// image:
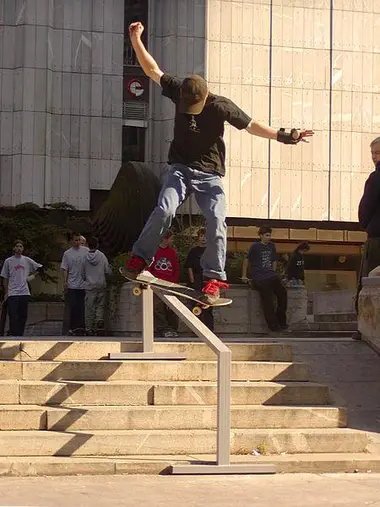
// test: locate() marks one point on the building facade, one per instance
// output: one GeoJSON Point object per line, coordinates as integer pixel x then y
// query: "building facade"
{"type": "Point", "coordinates": [74, 104]}
{"type": "Point", "coordinates": [61, 92]}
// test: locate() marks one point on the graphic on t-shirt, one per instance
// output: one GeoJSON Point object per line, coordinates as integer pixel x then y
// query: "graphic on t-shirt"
{"type": "Point", "coordinates": [163, 264]}
{"type": "Point", "coordinates": [18, 266]}
{"type": "Point", "coordinates": [193, 125]}
{"type": "Point", "coordinates": [266, 258]}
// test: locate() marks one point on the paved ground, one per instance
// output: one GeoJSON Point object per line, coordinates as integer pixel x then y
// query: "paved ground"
{"type": "Point", "coordinates": [167, 491]}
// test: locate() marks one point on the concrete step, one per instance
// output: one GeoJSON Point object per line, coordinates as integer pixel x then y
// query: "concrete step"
{"type": "Point", "coordinates": [148, 370]}
{"type": "Point", "coordinates": [150, 442]}
{"type": "Point", "coordinates": [159, 393]}
{"type": "Point", "coordinates": [201, 352]}
{"type": "Point", "coordinates": [336, 317]}
{"type": "Point", "coordinates": [288, 463]}
{"type": "Point", "coordinates": [57, 350]}
{"type": "Point", "coordinates": [191, 417]}
{"type": "Point", "coordinates": [23, 417]}
{"type": "Point", "coordinates": [242, 393]}
{"type": "Point", "coordinates": [333, 326]}
{"type": "Point", "coordinates": [95, 350]}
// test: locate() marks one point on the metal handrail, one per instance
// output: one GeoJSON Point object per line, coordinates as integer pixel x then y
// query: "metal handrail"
{"type": "Point", "coordinates": [224, 372]}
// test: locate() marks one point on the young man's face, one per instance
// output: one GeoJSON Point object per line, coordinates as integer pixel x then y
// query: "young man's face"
{"type": "Point", "coordinates": [82, 241]}
{"type": "Point", "coordinates": [202, 239]}
{"type": "Point", "coordinates": [265, 238]}
{"type": "Point", "coordinates": [18, 249]}
{"type": "Point", "coordinates": [76, 241]}
{"type": "Point", "coordinates": [167, 242]}
{"type": "Point", "coordinates": [375, 151]}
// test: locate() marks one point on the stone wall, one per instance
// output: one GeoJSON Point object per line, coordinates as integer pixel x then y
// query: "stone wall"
{"type": "Point", "coordinates": [369, 312]}
{"type": "Point", "coordinates": [44, 319]}
{"type": "Point", "coordinates": [243, 316]}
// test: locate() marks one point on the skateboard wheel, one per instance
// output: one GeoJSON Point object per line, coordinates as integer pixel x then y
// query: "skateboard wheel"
{"type": "Point", "coordinates": [197, 311]}
{"type": "Point", "coordinates": [136, 291]}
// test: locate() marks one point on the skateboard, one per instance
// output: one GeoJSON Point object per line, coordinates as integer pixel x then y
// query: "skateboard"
{"type": "Point", "coordinates": [176, 289]}
{"type": "Point", "coordinates": [3, 316]}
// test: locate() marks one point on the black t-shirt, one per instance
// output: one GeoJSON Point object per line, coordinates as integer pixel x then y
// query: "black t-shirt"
{"type": "Point", "coordinates": [193, 261]}
{"type": "Point", "coordinates": [261, 258]}
{"type": "Point", "coordinates": [198, 139]}
{"type": "Point", "coordinates": [296, 266]}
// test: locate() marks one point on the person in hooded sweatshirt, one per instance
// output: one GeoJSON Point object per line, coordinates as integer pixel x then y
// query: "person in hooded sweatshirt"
{"type": "Point", "coordinates": [95, 270]}
{"type": "Point", "coordinates": [369, 219]}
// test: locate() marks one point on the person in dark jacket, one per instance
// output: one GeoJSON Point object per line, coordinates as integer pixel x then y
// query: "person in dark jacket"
{"type": "Point", "coordinates": [296, 265]}
{"type": "Point", "coordinates": [369, 219]}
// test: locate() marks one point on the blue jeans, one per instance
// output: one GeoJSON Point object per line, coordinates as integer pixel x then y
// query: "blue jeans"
{"type": "Point", "coordinates": [208, 190]}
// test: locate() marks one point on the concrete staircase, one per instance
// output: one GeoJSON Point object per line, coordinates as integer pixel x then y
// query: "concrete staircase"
{"type": "Point", "coordinates": [65, 409]}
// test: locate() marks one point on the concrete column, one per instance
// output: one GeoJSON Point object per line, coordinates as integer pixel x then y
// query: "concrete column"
{"type": "Point", "coordinates": [369, 311]}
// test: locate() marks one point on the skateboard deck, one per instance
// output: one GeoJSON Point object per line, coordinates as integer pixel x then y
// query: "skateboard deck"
{"type": "Point", "coordinates": [176, 289]}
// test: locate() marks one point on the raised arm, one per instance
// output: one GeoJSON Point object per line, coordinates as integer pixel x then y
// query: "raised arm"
{"type": "Point", "coordinates": [293, 137]}
{"type": "Point", "coordinates": [147, 62]}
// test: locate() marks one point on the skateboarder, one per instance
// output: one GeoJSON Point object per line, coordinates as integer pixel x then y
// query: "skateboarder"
{"type": "Point", "coordinates": [197, 160]}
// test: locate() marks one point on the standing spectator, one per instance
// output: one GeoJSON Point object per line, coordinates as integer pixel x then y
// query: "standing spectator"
{"type": "Point", "coordinates": [15, 273]}
{"type": "Point", "coordinates": [165, 266]}
{"type": "Point", "coordinates": [72, 268]}
{"type": "Point", "coordinates": [262, 257]}
{"type": "Point", "coordinates": [296, 265]}
{"type": "Point", "coordinates": [95, 270]}
{"type": "Point", "coordinates": [66, 312]}
{"type": "Point", "coordinates": [194, 270]}
{"type": "Point", "coordinates": [369, 219]}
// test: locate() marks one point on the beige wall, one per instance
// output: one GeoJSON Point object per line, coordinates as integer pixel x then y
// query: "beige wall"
{"type": "Point", "coordinates": [238, 66]}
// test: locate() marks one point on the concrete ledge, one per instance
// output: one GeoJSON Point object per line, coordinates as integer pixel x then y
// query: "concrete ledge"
{"type": "Point", "coordinates": [243, 316]}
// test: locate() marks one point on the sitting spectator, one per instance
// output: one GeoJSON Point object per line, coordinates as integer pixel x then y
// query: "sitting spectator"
{"type": "Point", "coordinates": [262, 258]}
{"type": "Point", "coordinates": [296, 265]}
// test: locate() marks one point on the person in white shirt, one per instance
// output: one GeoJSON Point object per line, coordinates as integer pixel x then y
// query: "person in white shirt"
{"type": "Point", "coordinates": [16, 272]}
{"type": "Point", "coordinates": [72, 268]}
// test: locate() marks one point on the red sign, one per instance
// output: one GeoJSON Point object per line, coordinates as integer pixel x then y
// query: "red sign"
{"type": "Point", "coordinates": [135, 87]}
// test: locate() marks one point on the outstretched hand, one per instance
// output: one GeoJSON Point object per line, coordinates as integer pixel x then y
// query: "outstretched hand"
{"type": "Point", "coordinates": [135, 30]}
{"type": "Point", "coordinates": [302, 134]}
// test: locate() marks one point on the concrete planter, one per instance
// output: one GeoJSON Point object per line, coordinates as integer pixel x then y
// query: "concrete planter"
{"type": "Point", "coordinates": [244, 316]}
{"type": "Point", "coordinates": [369, 312]}
{"type": "Point", "coordinates": [333, 302]}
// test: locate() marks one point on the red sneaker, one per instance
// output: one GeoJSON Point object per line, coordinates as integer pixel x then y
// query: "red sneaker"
{"type": "Point", "coordinates": [134, 267]}
{"type": "Point", "coordinates": [211, 290]}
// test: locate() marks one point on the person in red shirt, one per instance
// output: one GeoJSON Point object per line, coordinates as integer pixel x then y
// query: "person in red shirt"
{"type": "Point", "coordinates": [165, 266]}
